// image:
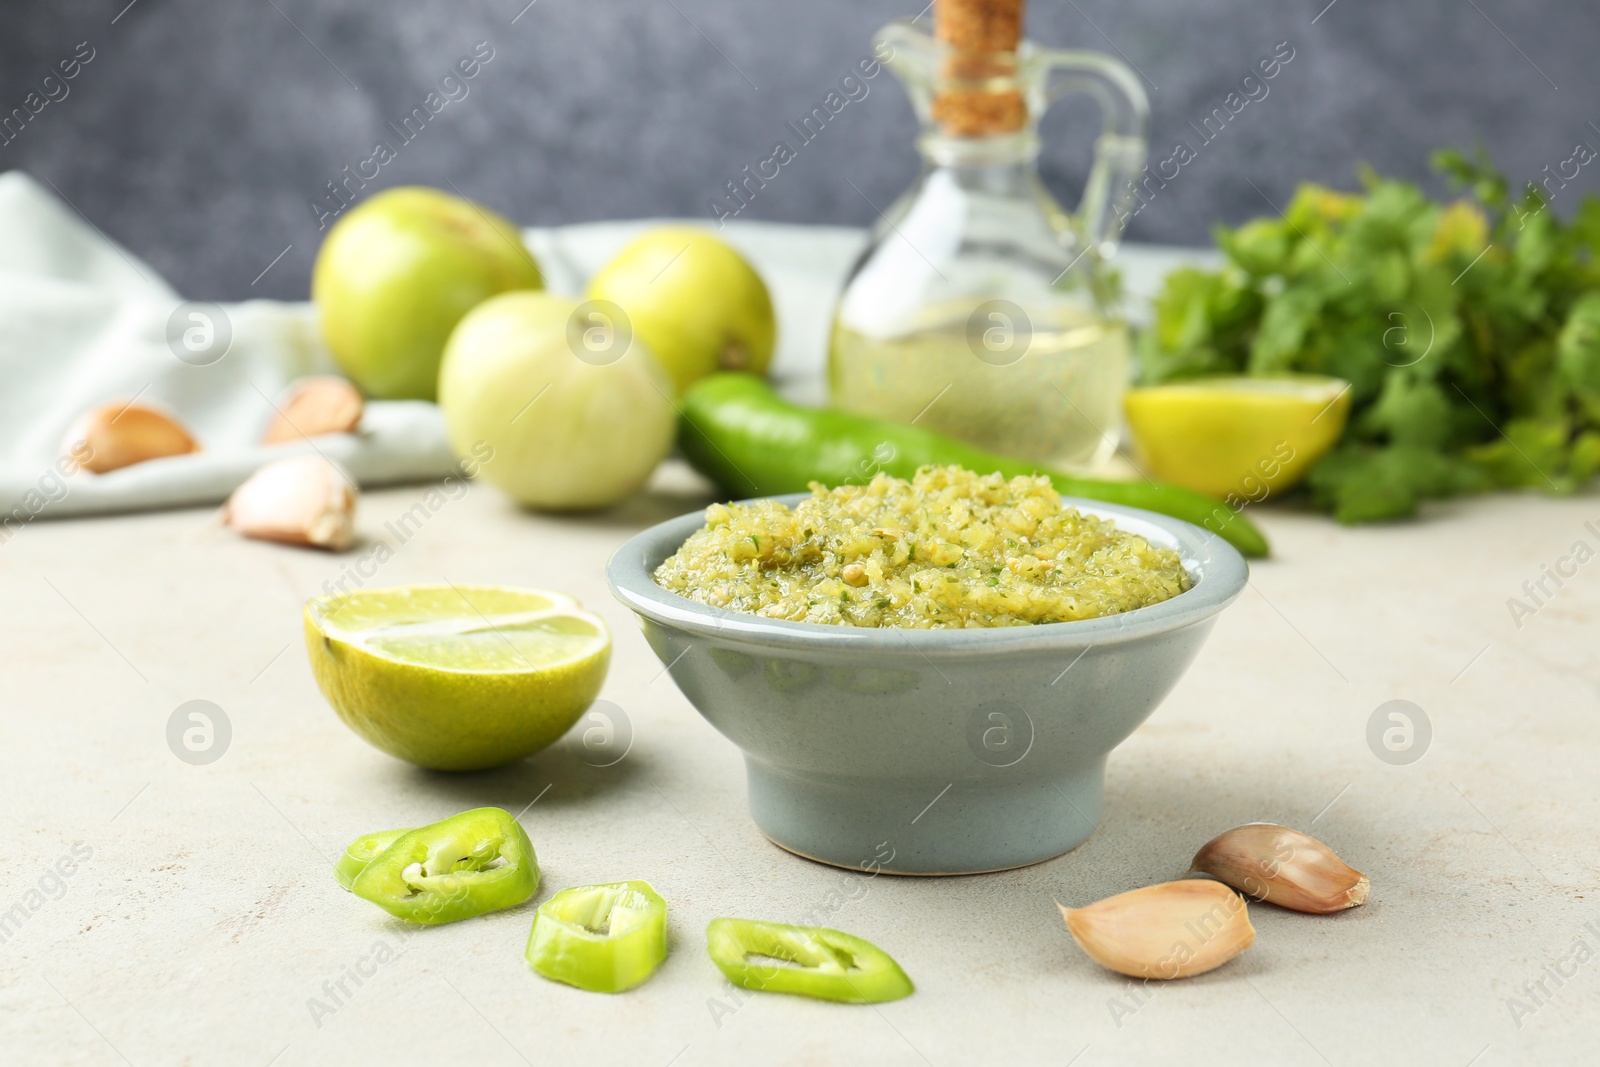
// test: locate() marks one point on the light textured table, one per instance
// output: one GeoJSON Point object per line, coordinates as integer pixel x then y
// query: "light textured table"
{"type": "Point", "coordinates": [201, 924]}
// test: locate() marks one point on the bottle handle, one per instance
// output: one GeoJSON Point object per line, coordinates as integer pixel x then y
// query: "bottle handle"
{"type": "Point", "coordinates": [1119, 152]}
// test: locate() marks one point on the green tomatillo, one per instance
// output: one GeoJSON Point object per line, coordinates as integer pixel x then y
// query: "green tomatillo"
{"type": "Point", "coordinates": [573, 415]}
{"type": "Point", "coordinates": [696, 303]}
{"type": "Point", "coordinates": [395, 275]}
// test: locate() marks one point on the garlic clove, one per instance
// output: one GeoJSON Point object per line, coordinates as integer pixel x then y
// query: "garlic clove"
{"type": "Point", "coordinates": [303, 500]}
{"type": "Point", "coordinates": [315, 406]}
{"type": "Point", "coordinates": [1284, 867]}
{"type": "Point", "coordinates": [121, 433]}
{"type": "Point", "coordinates": [1172, 930]}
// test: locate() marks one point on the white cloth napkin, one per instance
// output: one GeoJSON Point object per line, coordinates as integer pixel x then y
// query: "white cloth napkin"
{"type": "Point", "coordinates": [84, 322]}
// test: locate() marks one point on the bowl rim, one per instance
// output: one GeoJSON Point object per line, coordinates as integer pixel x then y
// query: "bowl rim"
{"type": "Point", "coordinates": [1217, 569]}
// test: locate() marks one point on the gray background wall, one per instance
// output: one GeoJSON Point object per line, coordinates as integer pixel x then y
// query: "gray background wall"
{"type": "Point", "coordinates": [201, 130]}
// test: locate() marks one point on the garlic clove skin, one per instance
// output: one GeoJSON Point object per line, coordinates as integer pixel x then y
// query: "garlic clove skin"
{"type": "Point", "coordinates": [1283, 867]}
{"type": "Point", "coordinates": [315, 406]}
{"type": "Point", "coordinates": [303, 500]}
{"type": "Point", "coordinates": [120, 434]}
{"type": "Point", "coordinates": [1172, 930]}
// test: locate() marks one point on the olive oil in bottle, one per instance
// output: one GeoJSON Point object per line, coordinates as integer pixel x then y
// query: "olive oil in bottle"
{"type": "Point", "coordinates": [980, 307]}
{"type": "Point", "coordinates": [1045, 391]}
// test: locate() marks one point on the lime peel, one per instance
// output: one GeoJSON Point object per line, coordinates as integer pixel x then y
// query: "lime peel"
{"type": "Point", "coordinates": [457, 677]}
{"type": "Point", "coordinates": [1241, 439]}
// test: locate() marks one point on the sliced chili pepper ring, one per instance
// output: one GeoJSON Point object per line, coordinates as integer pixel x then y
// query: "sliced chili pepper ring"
{"type": "Point", "coordinates": [466, 865]}
{"type": "Point", "coordinates": [604, 938]}
{"type": "Point", "coordinates": [811, 961]}
{"type": "Point", "coordinates": [362, 851]}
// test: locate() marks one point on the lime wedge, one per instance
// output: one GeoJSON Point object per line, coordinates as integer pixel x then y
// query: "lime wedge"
{"type": "Point", "coordinates": [1239, 438]}
{"type": "Point", "coordinates": [457, 677]}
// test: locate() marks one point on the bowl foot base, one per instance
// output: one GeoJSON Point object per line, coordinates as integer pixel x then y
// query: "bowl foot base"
{"type": "Point", "coordinates": [927, 828]}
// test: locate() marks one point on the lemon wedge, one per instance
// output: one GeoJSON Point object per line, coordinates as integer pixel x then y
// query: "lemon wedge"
{"type": "Point", "coordinates": [457, 677]}
{"type": "Point", "coordinates": [1239, 438]}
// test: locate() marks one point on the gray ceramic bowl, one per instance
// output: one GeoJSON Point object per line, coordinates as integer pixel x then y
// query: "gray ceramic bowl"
{"type": "Point", "coordinates": [929, 751]}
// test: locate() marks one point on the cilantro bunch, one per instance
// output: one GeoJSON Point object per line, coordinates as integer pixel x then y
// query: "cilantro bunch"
{"type": "Point", "coordinates": [1469, 332]}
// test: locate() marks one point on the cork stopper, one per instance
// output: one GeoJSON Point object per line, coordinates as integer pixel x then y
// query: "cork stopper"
{"type": "Point", "coordinates": [983, 36]}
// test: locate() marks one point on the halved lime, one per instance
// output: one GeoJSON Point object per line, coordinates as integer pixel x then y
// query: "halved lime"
{"type": "Point", "coordinates": [457, 677]}
{"type": "Point", "coordinates": [1243, 438]}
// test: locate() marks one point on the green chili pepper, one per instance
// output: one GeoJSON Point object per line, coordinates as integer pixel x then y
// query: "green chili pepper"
{"type": "Point", "coordinates": [468, 864]}
{"type": "Point", "coordinates": [362, 851]}
{"type": "Point", "coordinates": [603, 938]}
{"type": "Point", "coordinates": [742, 435]}
{"type": "Point", "coordinates": [811, 961]}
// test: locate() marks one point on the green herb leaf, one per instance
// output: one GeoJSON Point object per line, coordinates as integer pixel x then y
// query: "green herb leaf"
{"type": "Point", "coordinates": [1469, 331]}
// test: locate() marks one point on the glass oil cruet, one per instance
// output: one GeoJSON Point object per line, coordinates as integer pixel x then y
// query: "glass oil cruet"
{"type": "Point", "coordinates": [980, 308]}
